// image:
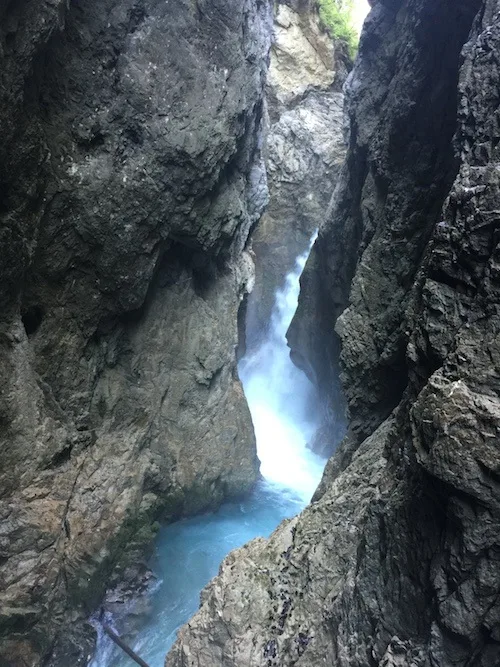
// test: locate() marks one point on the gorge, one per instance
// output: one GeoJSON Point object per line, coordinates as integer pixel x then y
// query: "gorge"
{"type": "Point", "coordinates": [189, 552]}
{"type": "Point", "coordinates": [162, 165]}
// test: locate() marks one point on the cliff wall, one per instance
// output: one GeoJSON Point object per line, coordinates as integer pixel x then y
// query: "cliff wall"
{"type": "Point", "coordinates": [130, 177]}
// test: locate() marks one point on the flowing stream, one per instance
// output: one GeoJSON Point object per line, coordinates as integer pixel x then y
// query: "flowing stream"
{"type": "Point", "coordinates": [188, 553]}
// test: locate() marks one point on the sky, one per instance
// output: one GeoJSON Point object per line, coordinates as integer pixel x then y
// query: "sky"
{"type": "Point", "coordinates": [359, 13]}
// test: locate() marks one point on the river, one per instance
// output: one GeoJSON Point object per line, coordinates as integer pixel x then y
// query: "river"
{"type": "Point", "coordinates": [188, 553]}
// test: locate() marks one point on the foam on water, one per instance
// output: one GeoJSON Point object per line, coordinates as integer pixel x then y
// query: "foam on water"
{"type": "Point", "coordinates": [281, 400]}
{"type": "Point", "coordinates": [189, 552]}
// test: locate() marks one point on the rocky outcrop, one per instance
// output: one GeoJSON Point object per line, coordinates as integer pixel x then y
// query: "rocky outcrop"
{"type": "Point", "coordinates": [304, 149]}
{"type": "Point", "coordinates": [303, 55]}
{"type": "Point", "coordinates": [397, 560]}
{"type": "Point", "coordinates": [130, 176]}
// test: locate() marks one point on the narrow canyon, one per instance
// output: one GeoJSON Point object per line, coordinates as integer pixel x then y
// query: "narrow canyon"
{"type": "Point", "coordinates": [250, 333]}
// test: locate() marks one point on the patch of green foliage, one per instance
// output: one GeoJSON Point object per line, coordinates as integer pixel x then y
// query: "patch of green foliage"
{"type": "Point", "coordinates": [335, 15]}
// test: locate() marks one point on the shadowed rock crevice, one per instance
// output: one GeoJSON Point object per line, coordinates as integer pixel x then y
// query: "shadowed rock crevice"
{"type": "Point", "coordinates": [304, 149]}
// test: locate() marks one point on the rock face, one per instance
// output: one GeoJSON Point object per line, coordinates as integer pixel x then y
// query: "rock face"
{"type": "Point", "coordinates": [304, 149]}
{"type": "Point", "coordinates": [130, 176]}
{"type": "Point", "coordinates": [397, 562]}
{"type": "Point", "coordinates": [303, 56]}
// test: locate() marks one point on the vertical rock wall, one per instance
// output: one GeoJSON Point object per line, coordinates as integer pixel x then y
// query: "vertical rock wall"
{"type": "Point", "coordinates": [130, 176]}
{"type": "Point", "coordinates": [398, 171]}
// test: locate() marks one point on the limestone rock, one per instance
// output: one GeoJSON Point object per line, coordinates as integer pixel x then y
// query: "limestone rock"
{"type": "Point", "coordinates": [273, 601]}
{"type": "Point", "coordinates": [130, 176]}
{"type": "Point", "coordinates": [302, 54]}
{"type": "Point", "coordinates": [304, 149]}
{"type": "Point", "coordinates": [400, 166]}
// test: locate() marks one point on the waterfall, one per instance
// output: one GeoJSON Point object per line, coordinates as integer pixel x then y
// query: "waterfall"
{"type": "Point", "coordinates": [281, 400]}
{"type": "Point", "coordinates": [188, 553]}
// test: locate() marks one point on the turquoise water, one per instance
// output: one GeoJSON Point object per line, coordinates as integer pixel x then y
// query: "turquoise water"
{"type": "Point", "coordinates": [188, 553]}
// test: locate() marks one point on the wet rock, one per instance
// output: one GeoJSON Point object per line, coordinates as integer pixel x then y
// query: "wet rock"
{"type": "Point", "coordinates": [237, 607]}
{"type": "Point", "coordinates": [128, 605]}
{"type": "Point", "coordinates": [363, 267]}
{"type": "Point", "coordinates": [130, 177]}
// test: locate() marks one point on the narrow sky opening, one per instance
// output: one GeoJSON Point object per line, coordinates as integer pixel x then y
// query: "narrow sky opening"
{"type": "Point", "coordinates": [359, 13]}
